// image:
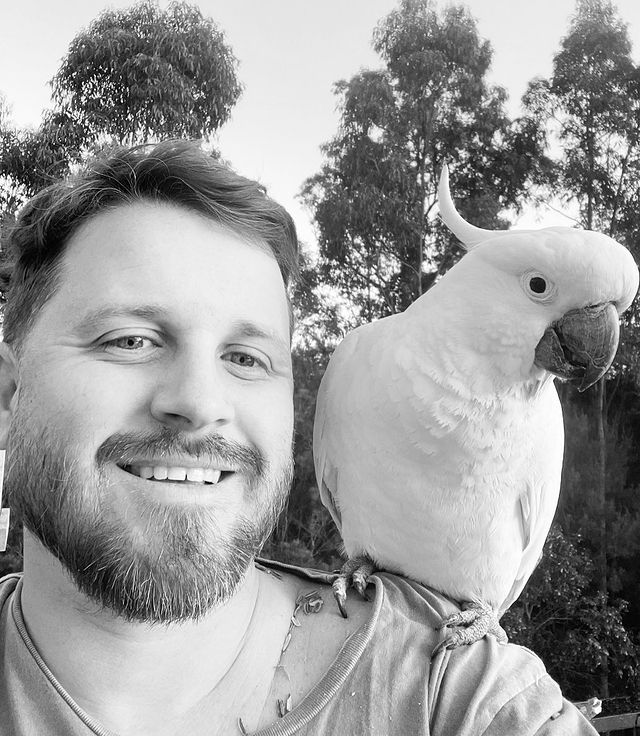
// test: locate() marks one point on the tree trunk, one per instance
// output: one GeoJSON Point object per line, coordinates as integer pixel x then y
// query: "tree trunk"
{"type": "Point", "coordinates": [601, 510]}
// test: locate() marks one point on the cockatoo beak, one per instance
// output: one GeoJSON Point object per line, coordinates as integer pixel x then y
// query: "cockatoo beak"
{"type": "Point", "coordinates": [581, 345]}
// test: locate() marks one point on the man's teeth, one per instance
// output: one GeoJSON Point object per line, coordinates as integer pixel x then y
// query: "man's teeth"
{"type": "Point", "coordinates": [162, 472]}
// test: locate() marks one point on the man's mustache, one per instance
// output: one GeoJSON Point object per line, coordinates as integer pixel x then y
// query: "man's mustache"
{"type": "Point", "coordinates": [212, 450]}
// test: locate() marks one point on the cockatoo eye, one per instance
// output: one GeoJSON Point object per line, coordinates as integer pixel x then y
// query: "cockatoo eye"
{"type": "Point", "coordinates": [537, 286]}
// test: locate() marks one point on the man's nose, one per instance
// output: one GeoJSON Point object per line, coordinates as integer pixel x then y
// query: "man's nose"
{"type": "Point", "coordinates": [193, 393]}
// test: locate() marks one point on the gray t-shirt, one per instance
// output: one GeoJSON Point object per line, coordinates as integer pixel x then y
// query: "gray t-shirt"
{"type": "Point", "coordinates": [382, 683]}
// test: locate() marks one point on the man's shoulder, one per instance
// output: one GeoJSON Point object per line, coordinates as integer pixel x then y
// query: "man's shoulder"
{"type": "Point", "coordinates": [387, 663]}
{"type": "Point", "coordinates": [414, 610]}
{"type": "Point", "coordinates": [400, 607]}
{"type": "Point", "coordinates": [488, 687]}
{"type": "Point", "coordinates": [398, 590]}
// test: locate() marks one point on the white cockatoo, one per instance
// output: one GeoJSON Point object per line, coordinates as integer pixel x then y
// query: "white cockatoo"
{"type": "Point", "coordinates": [438, 435]}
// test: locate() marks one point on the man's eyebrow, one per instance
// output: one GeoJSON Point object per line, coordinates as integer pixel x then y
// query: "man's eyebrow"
{"type": "Point", "coordinates": [94, 318]}
{"type": "Point", "coordinates": [246, 328]}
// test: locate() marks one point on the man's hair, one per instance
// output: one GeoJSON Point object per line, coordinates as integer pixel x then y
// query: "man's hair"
{"type": "Point", "coordinates": [176, 172]}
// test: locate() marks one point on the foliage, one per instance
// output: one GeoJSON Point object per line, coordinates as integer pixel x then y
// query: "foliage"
{"type": "Point", "coordinates": [373, 200]}
{"type": "Point", "coordinates": [30, 160]}
{"type": "Point", "coordinates": [580, 631]}
{"type": "Point", "coordinates": [563, 618]}
{"type": "Point", "coordinates": [145, 73]}
{"type": "Point", "coordinates": [134, 76]}
{"type": "Point", "coordinates": [306, 534]}
{"type": "Point", "coordinates": [590, 110]}
{"type": "Point", "coordinates": [579, 505]}
{"type": "Point", "coordinates": [591, 105]}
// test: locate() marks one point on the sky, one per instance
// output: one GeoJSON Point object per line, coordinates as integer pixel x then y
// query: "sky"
{"type": "Point", "coordinates": [290, 52]}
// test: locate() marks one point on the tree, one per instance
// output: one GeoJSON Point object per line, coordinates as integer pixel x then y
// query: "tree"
{"type": "Point", "coordinates": [144, 73]}
{"type": "Point", "coordinates": [374, 197]}
{"type": "Point", "coordinates": [29, 160]}
{"type": "Point", "coordinates": [306, 534]}
{"type": "Point", "coordinates": [8, 193]}
{"type": "Point", "coordinates": [134, 76]}
{"type": "Point", "coordinates": [563, 618]}
{"type": "Point", "coordinates": [591, 105]}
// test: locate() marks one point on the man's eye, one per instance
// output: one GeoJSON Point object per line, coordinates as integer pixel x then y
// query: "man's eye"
{"type": "Point", "coordinates": [246, 361]}
{"type": "Point", "coordinates": [129, 342]}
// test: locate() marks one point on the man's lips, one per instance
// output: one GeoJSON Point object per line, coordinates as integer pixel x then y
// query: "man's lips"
{"type": "Point", "coordinates": [173, 458]}
{"type": "Point", "coordinates": [177, 473]}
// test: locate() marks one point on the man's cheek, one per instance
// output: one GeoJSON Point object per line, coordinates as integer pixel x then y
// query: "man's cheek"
{"type": "Point", "coordinates": [275, 419]}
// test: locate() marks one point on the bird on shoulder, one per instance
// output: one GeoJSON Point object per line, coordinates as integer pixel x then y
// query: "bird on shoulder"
{"type": "Point", "coordinates": [438, 435]}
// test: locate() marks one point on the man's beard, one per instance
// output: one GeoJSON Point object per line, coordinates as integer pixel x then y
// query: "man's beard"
{"type": "Point", "coordinates": [181, 564]}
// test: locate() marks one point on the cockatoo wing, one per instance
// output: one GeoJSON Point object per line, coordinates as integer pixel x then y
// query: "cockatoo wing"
{"type": "Point", "coordinates": [337, 381]}
{"type": "Point", "coordinates": [378, 419]}
{"type": "Point", "coordinates": [358, 390]}
{"type": "Point", "coordinates": [326, 470]}
{"type": "Point", "coordinates": [539, 498]}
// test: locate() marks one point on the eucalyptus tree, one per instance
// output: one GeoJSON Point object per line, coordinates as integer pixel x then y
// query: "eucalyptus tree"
{"type": "Point", "coordinates": [132, 76]}
{"type": "Point", "coordinates": [429, 103]}
{"type": "Point", "coordinates": [144, 73]}
{"type": "Point", "coordinates": [590, 111]}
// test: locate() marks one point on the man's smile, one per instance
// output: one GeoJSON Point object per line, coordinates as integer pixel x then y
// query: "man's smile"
{"type": "Point", "coordinates": [168, 483]}
{"type": "Point", "coordinates": [179, 474]}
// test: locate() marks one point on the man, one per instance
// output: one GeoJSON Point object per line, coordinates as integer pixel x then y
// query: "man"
{"type": "Point", "coordinates": [146, 409]}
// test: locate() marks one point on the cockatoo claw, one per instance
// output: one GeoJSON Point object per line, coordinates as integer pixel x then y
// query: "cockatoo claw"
{"type": "Point", "coordinates": [360, 581]}
{"type": "Point", "coordinates": [340, 594]}
{"type": "Point", "coordinates": [354, 573]}
{"type": "Point", "coordinates": [470, 624]}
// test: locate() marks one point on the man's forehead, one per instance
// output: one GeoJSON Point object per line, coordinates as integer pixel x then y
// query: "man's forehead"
{"type": "Point", "coordinates": [146, 211]}
{"type": "Point", "coordinates": [159, 232]}
{"type": "Point", "coordinates": [154, 261]}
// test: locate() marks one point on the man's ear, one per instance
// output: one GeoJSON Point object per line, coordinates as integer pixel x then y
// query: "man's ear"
{"type": "Point", "coordinates": [8, 388]}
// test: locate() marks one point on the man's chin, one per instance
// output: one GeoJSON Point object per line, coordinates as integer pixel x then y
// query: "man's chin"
{"type": "Point", "coordinates": [152, 562]}
{"type": "Point", "coordinates": [184, 581]}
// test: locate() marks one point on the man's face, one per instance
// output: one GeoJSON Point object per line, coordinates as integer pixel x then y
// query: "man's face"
{"type": "Point", "coordinates": [150, 445]}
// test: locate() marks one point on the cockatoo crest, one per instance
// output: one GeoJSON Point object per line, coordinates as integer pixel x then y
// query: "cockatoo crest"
{"type": "Point", "coordinates": [469, 235]}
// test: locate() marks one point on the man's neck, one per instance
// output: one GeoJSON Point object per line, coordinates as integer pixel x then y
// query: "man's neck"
{"type": "Point", "coordinates": [118, 671]}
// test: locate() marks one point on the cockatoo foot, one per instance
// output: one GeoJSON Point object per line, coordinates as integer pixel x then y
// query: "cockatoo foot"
{"type": "Point", "coordinates": [471, 624]}
{"type": "Point", "coordinates": [354, 574]}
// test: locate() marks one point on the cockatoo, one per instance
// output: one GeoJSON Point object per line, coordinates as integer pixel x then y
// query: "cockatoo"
{"type": "Point", "coordinates": [438, 435]}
